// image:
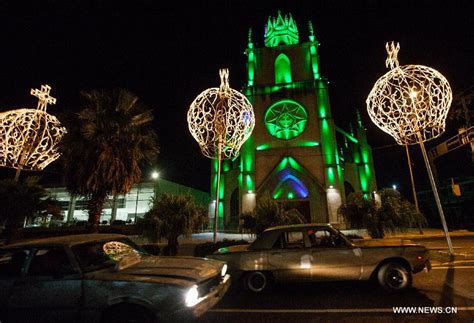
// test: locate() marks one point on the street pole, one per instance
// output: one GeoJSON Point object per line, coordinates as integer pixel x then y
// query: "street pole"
{"type": "Point", "coordinates": [415, 199]}
{"type": "Point", "coordinates": [436, 195]}
{"type": "Point", "coordinates": [136, 202]}
{"type": "Point", "coordinates": [217, 191]}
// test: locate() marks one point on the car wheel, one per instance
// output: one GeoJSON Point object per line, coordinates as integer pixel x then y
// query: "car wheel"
{"type": "Point", "coordinates": [394, 277]}
{"type": "Point", "coordinates": [128, 313]}
{"type": "Point", "coordinates": [256, 281]}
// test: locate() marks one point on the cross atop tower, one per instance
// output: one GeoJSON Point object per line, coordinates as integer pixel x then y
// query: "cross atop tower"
{"type": "Point", "coordinates": [43, 97]}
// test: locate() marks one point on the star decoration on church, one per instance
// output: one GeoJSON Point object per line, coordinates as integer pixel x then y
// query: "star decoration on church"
{"type": "Point", "coordinates": [286, 120]}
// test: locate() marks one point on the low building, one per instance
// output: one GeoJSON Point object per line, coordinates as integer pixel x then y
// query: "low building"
{"type": "Point", "coordinates": [124, 207]}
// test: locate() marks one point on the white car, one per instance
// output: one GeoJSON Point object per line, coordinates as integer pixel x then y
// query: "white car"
{"type": "Point", "coordinates": [318, 252]}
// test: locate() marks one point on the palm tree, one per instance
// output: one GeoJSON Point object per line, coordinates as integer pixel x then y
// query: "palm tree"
{"type": "Point", "coordinates": [105, 147]}
{"type": "Point", "coordinates": [28, 200]}
{"type": "Point", "coordinates": [172, 216]}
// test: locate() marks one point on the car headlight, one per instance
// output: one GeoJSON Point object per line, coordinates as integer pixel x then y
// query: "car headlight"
{"type": "Point", "coordinates": [192, 296]}
{"type": "Point", "coordinates": [224, 270]}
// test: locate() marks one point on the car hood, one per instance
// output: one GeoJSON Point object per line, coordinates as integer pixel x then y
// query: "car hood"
{"type": "Point", "coordinates": [384, 243]}
{"type": "Point", "coordinates": [185, 271]}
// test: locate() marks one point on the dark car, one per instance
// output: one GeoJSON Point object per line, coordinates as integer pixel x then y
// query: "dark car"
{"type": "Point", "coordinates": [104, 278]}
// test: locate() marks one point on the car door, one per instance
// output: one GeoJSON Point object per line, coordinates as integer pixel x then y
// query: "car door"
{"type": "Point", "coordinates": [12, 264]}
{"type": "Point", "coordinates": [332, 257]}
{"type": "Point", "coordinates": [51, 288]}
{"type": "Point", "coordinates": [290, 257]}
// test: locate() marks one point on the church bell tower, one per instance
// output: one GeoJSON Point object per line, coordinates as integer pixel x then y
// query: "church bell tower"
{"type": "Point", "coordinates": [296, 153]}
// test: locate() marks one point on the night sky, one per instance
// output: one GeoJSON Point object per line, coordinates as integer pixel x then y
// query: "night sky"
{"type": "Point", "coordinates": [168, 53]}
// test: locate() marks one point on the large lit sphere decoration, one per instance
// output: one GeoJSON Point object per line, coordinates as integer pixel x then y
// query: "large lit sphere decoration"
{"type": "Point", "coordinates": [221, 119]}
{"type": "Point", "coordinates": [410, 102]}
{"type": "Point", "coordinates": [29, 137]}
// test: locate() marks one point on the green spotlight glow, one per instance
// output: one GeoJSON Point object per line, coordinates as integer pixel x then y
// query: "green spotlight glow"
{"type": "Point", "coordinates": [281, 31]}
{"type": "Point", "coordinates": [331, 176]}
{"type": "Point", "coordinates": [282, 69]}
{"type": "Point", "coordinates": [347, 135]}
{"type": "Point", "coordinates": [220, 213]}
{"type": "Point", "coordinates": [249, 183]}
{"type": "Point", "coordinates": [293, 143]}
{"type": "Point", "coordinates": [263, 147]}
{"type": "Point", "coordinates": [251, 68]}
{"type": "Point", "coordinates": [314, 60]}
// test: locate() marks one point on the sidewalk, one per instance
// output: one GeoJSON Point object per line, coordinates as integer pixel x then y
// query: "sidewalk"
{"type": "Point", "coordinates": [439, 250]}
{"type": "Point", "coordinates": [429, 233]}
{"type": "Point", "coordinates": [412, 234]}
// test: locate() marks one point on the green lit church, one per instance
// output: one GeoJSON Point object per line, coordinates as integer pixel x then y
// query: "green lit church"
{"type": "Point", "coordinates": [296, 153]}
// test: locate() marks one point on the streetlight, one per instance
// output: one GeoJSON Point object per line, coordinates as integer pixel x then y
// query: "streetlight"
{"type": "Point", "coordinates": [394, 186]}
{"type": "Point", "coordinates": [411, 103]}
{"type": "Point", "coordinates": [155, 176]}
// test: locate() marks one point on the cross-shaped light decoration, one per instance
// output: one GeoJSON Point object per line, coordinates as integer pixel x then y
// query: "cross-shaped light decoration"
{"type": "Point", "coordinates": [43, 97]}
{"type": "Point", "coordinates": [29, 137]}
{"type": "Point", "coordinates": [392, 51]}
{"type": "Point", "coordinates": [410, 103]}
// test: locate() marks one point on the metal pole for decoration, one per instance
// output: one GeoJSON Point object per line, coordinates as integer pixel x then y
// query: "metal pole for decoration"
{"type": "Point", "coordinates": [29, 137]}
{"type": "Point", "coordinates": [221, 120]}
{"type": "Point", "coordinates": [415, 199]}
{"type": "Point", "coordinates": [411, 103]}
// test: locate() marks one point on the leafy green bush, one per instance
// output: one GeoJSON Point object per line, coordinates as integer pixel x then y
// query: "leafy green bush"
{"type": "Point", "coordinates": [268, 214]}
{"type": "Point", "coordinates": [390, 215]}
{"type": "Point", "coordinates": [207, 248]}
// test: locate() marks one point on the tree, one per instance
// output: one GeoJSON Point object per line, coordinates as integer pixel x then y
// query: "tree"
{"type": "Point", "coordinates": [27, 200]}
{"type": "Point", "coordinates": [390, 215]}
{"type": "Point", "coordinates": [172, 216]}
{"type": "Point", "coordinates": [105, 147]}
{"type": "Point", "coordinates": [267, 214]}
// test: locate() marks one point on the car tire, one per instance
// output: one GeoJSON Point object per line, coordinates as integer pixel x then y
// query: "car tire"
{"type": "Point", "coordinates": [256, 281]}
{"type": "Point", "coordinates": [128, 313]}
{"type": "Point", "coordinates": [394, 277]}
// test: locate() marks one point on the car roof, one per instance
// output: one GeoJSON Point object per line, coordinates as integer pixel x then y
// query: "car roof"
{"type": "Point", "coordinates": [298, 226]}
{"type": "Point", "coordinates": [68, 240]}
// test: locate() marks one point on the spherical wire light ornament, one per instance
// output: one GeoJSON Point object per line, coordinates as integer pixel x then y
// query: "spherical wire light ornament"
{"type": "Point", "coordinates": [29, 138]}
{"type": "Point", "coordinates": [221, 120]}
{"type": "Point", "coordinates": [411, 103]}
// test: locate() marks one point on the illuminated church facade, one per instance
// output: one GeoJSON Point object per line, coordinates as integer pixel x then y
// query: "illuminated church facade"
{"type": "Point", "coordinates": [296, 153]}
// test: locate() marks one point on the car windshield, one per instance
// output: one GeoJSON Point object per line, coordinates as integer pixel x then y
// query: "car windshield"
{"type": "Point", "coordinates": [105, 254]}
